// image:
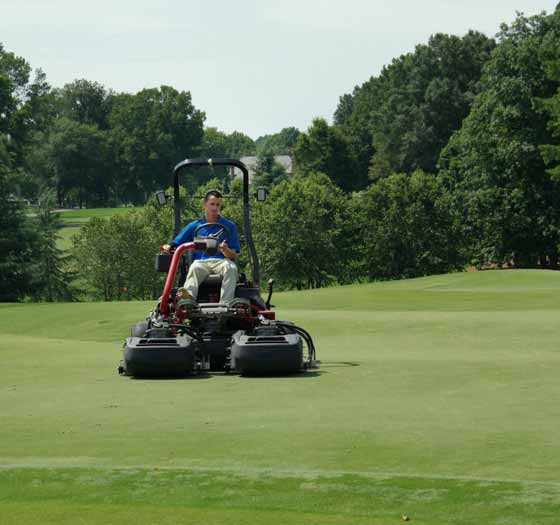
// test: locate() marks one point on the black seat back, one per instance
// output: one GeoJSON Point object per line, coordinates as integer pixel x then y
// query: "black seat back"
{"type": "Point", "coordinates": [210, 289]}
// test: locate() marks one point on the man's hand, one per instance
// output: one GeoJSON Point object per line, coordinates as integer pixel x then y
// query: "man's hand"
{"type": "Point", "coordinates": [166, 248]}
{"type": "Point", "coordinates": [227, 251]}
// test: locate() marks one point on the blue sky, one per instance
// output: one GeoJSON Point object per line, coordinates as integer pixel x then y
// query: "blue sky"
{"type": "Point", "coordinates": [252, 66]}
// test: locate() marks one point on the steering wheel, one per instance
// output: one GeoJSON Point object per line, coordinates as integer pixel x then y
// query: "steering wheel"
{"type": "Point", "coordinates": [222, 229]}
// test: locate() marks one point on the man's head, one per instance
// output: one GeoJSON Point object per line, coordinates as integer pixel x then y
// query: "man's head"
{"type": "Point", "coordinates": [212, 205]}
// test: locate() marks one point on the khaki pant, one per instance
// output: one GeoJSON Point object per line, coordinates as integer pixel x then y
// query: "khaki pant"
{"type": "Point", "coordinates": [202, 268]}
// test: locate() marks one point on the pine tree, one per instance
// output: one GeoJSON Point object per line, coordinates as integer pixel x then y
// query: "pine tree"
{"type": "Point", "coordinates": [17, 238]}
{"type": "Point", "coordinates": [51, 272]}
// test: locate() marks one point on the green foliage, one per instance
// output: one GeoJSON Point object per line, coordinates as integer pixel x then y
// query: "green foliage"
{"type": "Point", "coordinates": [25, 105]}
{"type": "Point", "coordinates": [239, 145]}
{"type": "Point", "coordinates": [300, 233]}
{"type": "Point", "coordinates": [74, 158]}
{"type": "Point", "coordinates": [51, 276]}
{"type": "Point", "coordinates": [281, 143]}
{"type": "Point", "coordinates": [344, 109]}
{"type": "Point", "coordinates": [551, 59]}
{"type": "Point", "coordinates": [326, 149]}
{"type": "Point", "coordinates": [491, 115]}
{"type": "Point", "coordinates": [216, 144]}
{"type": "Point", "coordinates": [85, 102]}
{"type": "Point", "coordinates": [115, 256]}
{"type": "Point", "coordinates": [152, 130]}
{"type": "Point", "coordinates": [268, 171]}
{"type": "Point", "coordinates": [405, 116]}
{"type": "Point", "coordinates": [405, 227]}
{"type": "Point", "coordinates": [493, 164]}
{"type": "Point", "coordinates": [18, 241]}
{"type": "Point", "coordinates": [14, 78]}
{"type": "Point", "coordinates": [551, 152]}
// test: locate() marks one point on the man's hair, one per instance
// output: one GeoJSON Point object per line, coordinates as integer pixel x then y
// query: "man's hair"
{"type": "Point", "coordinates": [213, 193]}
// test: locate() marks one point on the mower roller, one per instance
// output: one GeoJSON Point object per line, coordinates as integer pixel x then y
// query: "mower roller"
{"type": "Point", "coordinates": [184, 337]}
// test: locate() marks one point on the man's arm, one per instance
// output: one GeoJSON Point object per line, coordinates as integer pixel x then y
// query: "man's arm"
{"type": "Point", "coordinates": [185, 235]}
{"type": "Point", "coordinates": [232, 245]}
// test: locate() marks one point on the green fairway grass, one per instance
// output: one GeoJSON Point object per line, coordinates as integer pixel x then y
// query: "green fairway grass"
{"type": "Point", "coordinates": [65, 236]}
{"type": "Point", "coordinates": [85, 214]}
{"type": "Point", "coordinates": [72, 221]}
{"type": "Point", "coordinates": [437, 398]}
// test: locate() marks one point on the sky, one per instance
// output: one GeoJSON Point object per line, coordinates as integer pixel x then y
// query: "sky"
{"type": "Point", "coordinates": [251, 66]}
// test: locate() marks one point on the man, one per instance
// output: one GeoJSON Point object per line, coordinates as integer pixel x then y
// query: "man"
{"type": "Point", "coordinates": [222, 263]}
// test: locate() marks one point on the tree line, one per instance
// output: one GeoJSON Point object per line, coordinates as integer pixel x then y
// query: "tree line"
{"type": "Point", "coordinates": [477, 120]}
{"type": "Point", "coordinates": [97, 148]}
{"type": "Point", "coordinates": [448, 158]}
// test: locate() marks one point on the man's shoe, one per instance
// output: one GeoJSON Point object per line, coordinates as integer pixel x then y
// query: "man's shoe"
{"type": "Point", "coordinates": [189, 306]}
{"type": "Point", "coordinates": [183, 293]}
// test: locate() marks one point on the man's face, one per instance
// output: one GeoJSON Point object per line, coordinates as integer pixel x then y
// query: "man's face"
{"type": "Point", "coordinates": [212, 207]}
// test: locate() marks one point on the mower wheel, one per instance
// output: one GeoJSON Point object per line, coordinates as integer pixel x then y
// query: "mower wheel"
{"type": "Point", "coordinates": [139, 329]}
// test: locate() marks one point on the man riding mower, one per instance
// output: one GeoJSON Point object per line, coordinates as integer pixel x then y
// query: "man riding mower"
{"type": "Point", "coordinates": [218, 320]}
{"type": "Point", "coordinates": [220, 261]}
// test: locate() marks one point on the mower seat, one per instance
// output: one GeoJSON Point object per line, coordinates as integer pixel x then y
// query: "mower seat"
{"type": "Point", "coordinates": [213, 280]}
{"type": "Point", "coordinates": [211, 287]}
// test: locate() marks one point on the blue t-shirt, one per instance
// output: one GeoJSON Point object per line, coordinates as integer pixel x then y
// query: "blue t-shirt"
{"type": "Point", "coordinates": [187, 235]}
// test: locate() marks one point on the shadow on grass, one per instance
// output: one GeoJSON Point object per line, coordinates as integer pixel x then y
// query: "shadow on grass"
{"type": "Point", "coordinates": [172, 378]}
{"type": "Point", "coordinates": [338, 364]}
{"type": "Point", "coordinates": [302, 375]}
{"type": "Point", "coordinates": [308, 374]}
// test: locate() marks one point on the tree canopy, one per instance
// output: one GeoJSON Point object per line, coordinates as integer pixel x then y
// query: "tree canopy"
{"type": "Point", "coordinates": [405, 116]}
{"type": "Point", "coordinates": [281, 143]}
{"type": "Point", "coordinates": [326, 149]}
{"type": "Point", "coordinates": [151, 131]}
{"type": "Point", "coordinates": [493, 165]}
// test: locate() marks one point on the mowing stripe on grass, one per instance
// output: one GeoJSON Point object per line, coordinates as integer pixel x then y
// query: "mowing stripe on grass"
{"type": "Point", "coordinates": [81, 463]}
{"type": "Point", "coordinates": [340, 498]}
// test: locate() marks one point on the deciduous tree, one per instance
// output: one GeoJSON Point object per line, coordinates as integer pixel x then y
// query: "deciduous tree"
{"type": "Point", "coordinates": [301, 232]}
{"type": "Point", "coordinates": [325, 149]}
{"type": "Point", "coordinates": [493, 164]}
{"type": "Point", "coordinates": [407, 228]}
{"type": "Point", "coordinates": [152, 130]}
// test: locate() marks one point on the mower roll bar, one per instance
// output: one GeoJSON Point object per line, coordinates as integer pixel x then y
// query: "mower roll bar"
{"type": "Point", "coordinates": [188, 163]}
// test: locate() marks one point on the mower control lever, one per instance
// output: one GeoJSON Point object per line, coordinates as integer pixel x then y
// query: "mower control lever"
{"type": "Point", "coordinates": [270, 287]}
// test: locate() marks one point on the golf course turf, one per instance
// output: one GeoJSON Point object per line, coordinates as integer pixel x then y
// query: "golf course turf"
{"type": "Point", "coordinates": [437, 399]}
{"type": "Point", "coordinates": [73, 220]}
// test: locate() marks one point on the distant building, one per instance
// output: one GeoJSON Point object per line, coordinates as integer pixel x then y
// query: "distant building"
{"type": "Point", "coordinates": [251, 162]}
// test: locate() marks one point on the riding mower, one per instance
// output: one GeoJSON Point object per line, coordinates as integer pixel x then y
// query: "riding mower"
{"type": "Point", "coordinates": [185, 337]}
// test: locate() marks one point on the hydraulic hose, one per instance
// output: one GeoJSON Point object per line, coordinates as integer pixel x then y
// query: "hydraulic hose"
{"type": "Point", "coordinates": [291, 328]}
{"type": "Point", "coordinates": [190, 331]}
